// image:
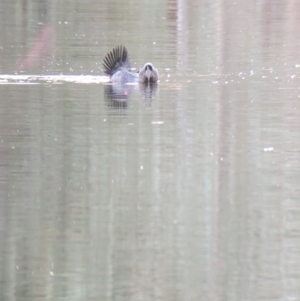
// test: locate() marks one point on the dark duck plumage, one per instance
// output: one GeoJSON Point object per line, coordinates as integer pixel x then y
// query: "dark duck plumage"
{"type": "Point", "coordinates": [117, 66]}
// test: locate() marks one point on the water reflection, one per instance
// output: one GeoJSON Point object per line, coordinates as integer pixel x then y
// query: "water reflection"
{"type": "Point", "coordinates": [192, 196]}
{"type": "Point", "coordinates": [118, 96]}
{"type": "Point", "coordinates": [35, 54]}
{"type": "Point", "coordinates": [148, 91]}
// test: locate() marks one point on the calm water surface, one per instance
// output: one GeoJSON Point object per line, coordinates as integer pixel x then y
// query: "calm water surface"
{"type": "Point", "coordinates": [186, 191]}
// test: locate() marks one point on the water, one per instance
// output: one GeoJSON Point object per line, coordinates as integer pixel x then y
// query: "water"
{"type": "Point", "coordinates": [188, 191]}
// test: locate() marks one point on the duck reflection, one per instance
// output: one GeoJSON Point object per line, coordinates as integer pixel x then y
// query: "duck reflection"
{"type": "Point", "coordinates": [118, 96]}
{"type": "Point", "coordinates": [148, 91]}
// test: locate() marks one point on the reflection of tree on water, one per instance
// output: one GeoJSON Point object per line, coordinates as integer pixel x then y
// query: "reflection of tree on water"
{"type": "Point", "coordinates": [118, 96]}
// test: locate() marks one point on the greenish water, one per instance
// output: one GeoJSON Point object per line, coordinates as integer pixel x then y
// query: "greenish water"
{"type": "Point", "coordinates": [187, 191]}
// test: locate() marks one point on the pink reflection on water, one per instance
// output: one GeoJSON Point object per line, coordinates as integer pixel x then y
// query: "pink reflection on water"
{"type": "Point", "coordinates": [37, 51]}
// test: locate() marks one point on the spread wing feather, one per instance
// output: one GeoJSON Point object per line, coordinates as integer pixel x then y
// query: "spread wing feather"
{"type": "Point", "coordinates": [116, 59]}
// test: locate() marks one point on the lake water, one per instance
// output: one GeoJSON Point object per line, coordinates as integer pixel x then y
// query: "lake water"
{"type": "Point", "coordinates": [185, 191]}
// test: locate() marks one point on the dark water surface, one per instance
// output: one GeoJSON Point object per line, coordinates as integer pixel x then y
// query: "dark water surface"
{"type": "Point", "coordinates": [186, 191]}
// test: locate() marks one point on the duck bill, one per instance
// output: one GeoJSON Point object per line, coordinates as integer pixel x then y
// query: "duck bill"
{"type": "Point", "coordinates": [148, 74]}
